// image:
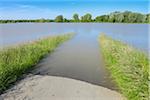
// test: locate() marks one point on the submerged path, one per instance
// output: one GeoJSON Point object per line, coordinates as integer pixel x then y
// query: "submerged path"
{"type": "Point", "coordinates": [79, 59]}
{"type": "Point", "coordinates": [80, 72]}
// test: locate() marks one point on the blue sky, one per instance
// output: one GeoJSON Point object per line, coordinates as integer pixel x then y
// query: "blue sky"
{"type": "Point", "coordinates": [33, 9]}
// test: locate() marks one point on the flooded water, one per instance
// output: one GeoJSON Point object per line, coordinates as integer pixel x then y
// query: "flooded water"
{"type": "Point", "coordinates": [134, 34]}
{"type": "Point", "coordinates": [78, 58]}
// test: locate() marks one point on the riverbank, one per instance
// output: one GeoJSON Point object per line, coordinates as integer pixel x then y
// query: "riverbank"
{"type": "Point", "coordinates": [128, 67]}
{"type": "Point", "coordinates": [15, 61]}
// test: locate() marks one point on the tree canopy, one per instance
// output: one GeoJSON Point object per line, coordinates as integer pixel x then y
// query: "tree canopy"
{"type": "Point", "coordinates": [86, 18]}
{"type": "Point", "coordinates": [76, 17]}
{"type": "Point", "coordinates": [59, 18]}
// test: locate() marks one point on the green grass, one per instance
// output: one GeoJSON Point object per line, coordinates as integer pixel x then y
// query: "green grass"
{"type": "Point", "coordinates": [128, 67]}
{"type": "Point", "coordinates": [15, 61]}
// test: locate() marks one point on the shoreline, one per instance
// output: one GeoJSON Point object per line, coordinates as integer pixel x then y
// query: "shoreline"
{"type": "Point", "coordinates": [73, 23]}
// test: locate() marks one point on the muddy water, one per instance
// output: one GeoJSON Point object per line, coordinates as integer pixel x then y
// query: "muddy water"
{"type": "Point", "coordinates": [80, 57]}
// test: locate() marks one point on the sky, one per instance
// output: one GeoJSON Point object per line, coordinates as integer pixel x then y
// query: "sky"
{"type": "Point", "coordinates": [49, 9]}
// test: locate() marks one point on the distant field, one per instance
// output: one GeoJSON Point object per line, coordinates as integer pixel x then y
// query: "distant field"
{"type": "Point", "coordinates": [15, 61]}
{"type": "Point", "coordinates": [128, 67]}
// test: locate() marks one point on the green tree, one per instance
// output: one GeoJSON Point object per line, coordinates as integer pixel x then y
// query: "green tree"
{"type": "Point", "coordinates": [148, 18]}
{"type": "Point", "coordinates": [42, 20]}
{"type": "Point", "coordinates": [119, 17]}
{"type": "Point", "coordinates": [99, 19]}
{"type": "Point", "coordinates": [59, 18]}
{"type": "Point", "coordinates": [140, 18]}
{"type": "Point", "coordinates": [86, 18]}
{"type": "Point", "coordinates": [76, 17]}
{"type": "Point", "coordinates": [66, 20]}
{"type": "Point", "coordinates": [105, 18]}
{"type": "Point", "coordinates": [111, 17]}
{"type": "Point", "coordinates": [126, 14]}
{"type": "Point", "coordinates": [132, 18]}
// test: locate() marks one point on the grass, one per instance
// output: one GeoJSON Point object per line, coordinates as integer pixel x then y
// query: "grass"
{"type": "Point", "coordinates": [128, 67]}
{"type": "Point", "coordinates": [15, 61]}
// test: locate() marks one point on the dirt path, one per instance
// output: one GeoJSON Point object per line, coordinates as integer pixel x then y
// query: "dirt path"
{"type": "Point", "coordinates": [57, 88]}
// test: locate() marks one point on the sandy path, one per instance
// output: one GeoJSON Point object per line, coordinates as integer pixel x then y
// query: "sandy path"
{"type": "Point", "coordinates": [57, 88]}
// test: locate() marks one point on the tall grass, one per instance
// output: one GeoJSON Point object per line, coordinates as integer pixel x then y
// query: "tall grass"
{"type": "Point", "coordinates": [128, 67]}
{"type": "Point", "coordinates": [15, 61]}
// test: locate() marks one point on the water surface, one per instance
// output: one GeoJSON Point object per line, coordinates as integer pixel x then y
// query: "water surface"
{"type": "Point", "coordinates": [80, 57]}
{"type": "Point", "coordinates": [134, 34]}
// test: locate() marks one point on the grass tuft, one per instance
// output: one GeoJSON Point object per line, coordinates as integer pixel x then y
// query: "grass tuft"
{"type": "Point", "coordinates": [15, 61]}
{"type": "Point", "coordinates": [128, 67]}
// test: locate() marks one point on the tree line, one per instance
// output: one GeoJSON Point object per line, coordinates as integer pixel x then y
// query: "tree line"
{"type": "Point", "coordinates": [27, 20]}
{"type": "Point", "coordinates": [114, 17]}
